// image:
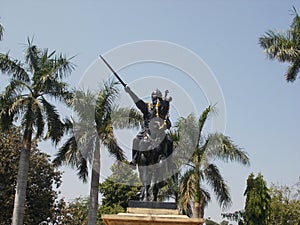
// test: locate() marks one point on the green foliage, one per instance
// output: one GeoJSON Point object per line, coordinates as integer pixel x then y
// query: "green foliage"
{"type": "Point", "coordinates": [27, 95]}
{"type": "Point", "coordinates": [285, 204]}
{"type": "Point", "coordinates": [257, 207]}
{"type": "Point", "coordinates": [73, 213]}
{"type": "Point", "coordinates": [94, 131]}
{"type": "Point", "coordinates": [120, 187]}
{"type": "Point", "coordinates": [105, 209]}
{"type": "Point", "coordinates": [76, 212]}
{"type": "Point", "coordinates": [25, 102]}
{"type": "Point", "coordinates": [237, 216]}
{"type": "Point", "coordinates": [278, 205]}
{"type": "Point", "coordinates": [42, 176]}
{"type": "Point", "coordinates": [210, 222]}
{"type": "Point", "coordinates": [200, 168]}
{"type": "Point", "coordinates": [285, 46]}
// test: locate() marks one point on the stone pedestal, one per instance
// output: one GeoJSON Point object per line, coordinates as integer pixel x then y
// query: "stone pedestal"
{"type": "Point", "coordinates": [146, 213]}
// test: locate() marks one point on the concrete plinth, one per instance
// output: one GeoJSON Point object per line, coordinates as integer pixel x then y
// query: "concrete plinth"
{"type": "Point", "coordinates": [146, 216]}
{"type": "Point", "coordinates": [144, 219]}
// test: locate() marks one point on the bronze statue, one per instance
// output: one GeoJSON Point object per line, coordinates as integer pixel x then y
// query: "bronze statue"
{"type": "Point", "coordinates": [152, 146]}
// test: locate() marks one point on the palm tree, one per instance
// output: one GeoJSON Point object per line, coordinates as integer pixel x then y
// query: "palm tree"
{"type": "Point", "coordinates": [285, 47]}
{"type": "Point", "coordinates": [97, 117]}
{"type": "Point", "coordinates": [26, 102]}
{"type": "Point", "coordinates": [200, 168]}
{"type": "Point", "coordinates": [1, 31]}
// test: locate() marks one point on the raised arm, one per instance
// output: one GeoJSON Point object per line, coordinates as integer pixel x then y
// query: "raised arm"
{"type": "Point", "coordinates": [133, 96]}
{"type": "Point", "coordinates": [138, 102]}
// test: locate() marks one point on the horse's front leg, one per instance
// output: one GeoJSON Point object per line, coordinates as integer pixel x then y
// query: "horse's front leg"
{"type": "Point", "coordinates": [145, 178]}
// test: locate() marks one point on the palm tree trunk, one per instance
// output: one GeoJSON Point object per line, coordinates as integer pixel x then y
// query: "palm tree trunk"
{"type": "Point", "coordinates": [201, 210]}
{"type": "Point", "coordinates": [93, 204]}
{"type": "Point", "coordinates": [20, 195]}
{"type": "Point", "coordinates": [196, 210]}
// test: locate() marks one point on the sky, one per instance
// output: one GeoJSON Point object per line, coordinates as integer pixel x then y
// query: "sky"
{"type": "Point", "coordinates": [261, 110]}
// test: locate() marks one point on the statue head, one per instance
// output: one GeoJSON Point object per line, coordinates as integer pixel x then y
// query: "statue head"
{"type": "Point", "coordinates": [156, 94]}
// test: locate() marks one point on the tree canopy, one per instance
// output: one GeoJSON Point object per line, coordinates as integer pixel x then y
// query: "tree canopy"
{"type": "Point", "coordinates": [201, 169]}
{"type": "Point", "coordinates": [120, 187]}
{"type": "Point", "coordinates": [43, 179]}
{"type": "Point", "coordinates": [285, 204]}
{"type": "Point", "coordinates": [257, 206]}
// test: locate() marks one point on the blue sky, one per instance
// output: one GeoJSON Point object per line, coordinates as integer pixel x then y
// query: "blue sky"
{"type": "Point", "coordinates": [262, 109]}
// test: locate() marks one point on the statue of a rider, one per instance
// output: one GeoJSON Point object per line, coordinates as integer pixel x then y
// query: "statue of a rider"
{"type": "Point", "coordinates": [152, 145]}
{"type": "Point", "coordinates": [156, 121]}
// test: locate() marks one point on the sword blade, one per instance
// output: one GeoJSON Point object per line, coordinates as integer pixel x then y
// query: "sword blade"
{"type": "Point", "coordinates": [114, 72]}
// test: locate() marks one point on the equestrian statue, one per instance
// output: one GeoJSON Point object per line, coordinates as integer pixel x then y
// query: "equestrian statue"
{"type": "Point", "coordinates": [152, 147]}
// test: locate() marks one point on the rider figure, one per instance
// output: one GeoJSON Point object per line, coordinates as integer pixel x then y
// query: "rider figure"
{"type": "Point", "coordinates": [156, 111]}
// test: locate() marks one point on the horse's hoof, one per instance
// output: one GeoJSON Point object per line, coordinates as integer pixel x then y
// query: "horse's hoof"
{"type": "Point", "coordinates": [132, 165]}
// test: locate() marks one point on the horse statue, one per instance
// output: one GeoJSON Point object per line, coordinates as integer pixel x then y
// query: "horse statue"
{"type": "Point", "coordinates": [153, 160]}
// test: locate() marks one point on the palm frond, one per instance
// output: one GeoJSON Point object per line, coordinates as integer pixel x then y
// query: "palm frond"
{"type": "Point", "coordinates": [279, 46]}
{"type": "Point", "coordinates": [13, 67]}
{"type": "Point", "coordinates": [220, 188]}
{"type": "Point", "coordinates": [126, 118]}
{"type": "Point", "coordinates": [15, 88]}
{"type": "Point", "coordinates": [61, 66]}
{"type": "Point", "coordinates": [292, 71]}
{"type": "Point", "coordinates": [57, 90]}
{"type": "Point", "coordinates": [6, 118]}
{"type": "Point", "coordinates": [285, 46]}
{"type": "Point", "coordinates": [188, 137]}
{"type": "Point", "coordinates": [32, 57]}
{"type": "Point", "coordinates": [44, 67]}
{"type": "Point", "coordinates": [272, 38]}
{"type": "Point", "coordinates": [110, 142]}
{"type": "Point", "coordinates": [105, 102]}
{"type": "Point", "coordinates": [69, 154]}
{"type": "Point", "coordinates": [84, 103]}
{"type": "Point", "coordinates": [55, 128]}
{"type": "Point", "coordinates": [296, 20]}
{"type": "Point", "coordinates": [203, 118]}
{"type": "Point", "coordinates": [223, 148]}
{"type": "Point", "coordinates": [68, 125]}
{"type": "Point", "coordinates": [1, 31]}
{"type": "Point", "coordinates": [82, 169]}
{"type": "Point", "coordinates": [39, 123]}
{"type": "Point", "coordinates": [27, 118]}
{"type": "Point", "coordinates": [187, 188]}
{"type": "Point", "coordinates": [86, 138]}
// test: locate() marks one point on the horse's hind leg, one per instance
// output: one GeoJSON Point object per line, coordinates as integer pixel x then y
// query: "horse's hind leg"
{"type": "Point", "coordinates": [145, 178]}
{"type": "Point", "coordinates": [155, 192]}
{"type": "Point", "coordinates": [158, 176]}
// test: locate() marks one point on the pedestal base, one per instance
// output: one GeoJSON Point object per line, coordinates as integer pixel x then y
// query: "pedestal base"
{"type": "Point", "coordinates": [147, 219]}
{"type": "Point", "coordinates": [166, 215]}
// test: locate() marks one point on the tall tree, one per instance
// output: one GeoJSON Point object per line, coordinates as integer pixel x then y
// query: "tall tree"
{"type": "Point", "coordinates": [285, 204]}
{"type": "Point", "coordinates": [257, 201]}
{"type": "Point", "coordinates": [41, 180]}
{"type": "Point", "coordinates": [26, 100]}
{"type": "Point", "coordinates": [93, 132]}
{"type": "Point", "coordinates": [200, 166]}
{"type": "Point", "coordinates": [285, 47]}
{"type": "Point", "coordinates": [277, 205]}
